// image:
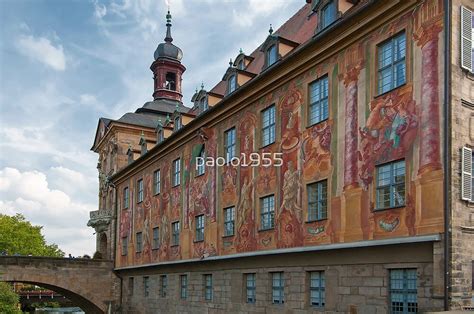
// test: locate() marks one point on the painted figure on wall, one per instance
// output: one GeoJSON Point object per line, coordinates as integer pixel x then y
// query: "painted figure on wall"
{"type": "Point", "coordinates": [390, 131]}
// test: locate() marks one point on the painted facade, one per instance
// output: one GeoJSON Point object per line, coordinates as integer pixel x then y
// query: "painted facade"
{"type": "Point", "coordinates": [363, 130]}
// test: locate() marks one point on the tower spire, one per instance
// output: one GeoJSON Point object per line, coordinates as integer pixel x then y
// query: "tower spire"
{"type": "Point", "coordinates": [168, 37]}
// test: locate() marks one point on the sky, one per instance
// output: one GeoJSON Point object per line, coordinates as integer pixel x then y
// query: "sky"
{"type": "Point", "coordinates": [66, 63]}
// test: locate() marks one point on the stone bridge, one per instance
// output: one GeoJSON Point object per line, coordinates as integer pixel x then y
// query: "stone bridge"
{"type": "Point", "coordinates": [90, 284]}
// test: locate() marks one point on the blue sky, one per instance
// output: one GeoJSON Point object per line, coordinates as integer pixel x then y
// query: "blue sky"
{"type": "Point", "coordinates": [66, 63]}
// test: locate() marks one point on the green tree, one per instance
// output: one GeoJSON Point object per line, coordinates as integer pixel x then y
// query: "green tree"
{"type": "Point", "coordinates": [19, 236]}
{"type": "Point", "coordinates": [8, 300]}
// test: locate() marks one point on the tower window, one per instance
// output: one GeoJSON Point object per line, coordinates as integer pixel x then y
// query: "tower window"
{"type": "Point", "coordinates": [272, 55]}
{"type": "Point", "coordinates": [241, 65]}
{"type": "Point", "coordinates": [170, 81]}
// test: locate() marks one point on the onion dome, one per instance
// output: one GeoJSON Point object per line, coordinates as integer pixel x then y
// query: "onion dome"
{"type": "Point", "coordinates": [167, 49]}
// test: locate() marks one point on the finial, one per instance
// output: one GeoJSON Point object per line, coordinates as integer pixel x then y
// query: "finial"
{"type": "Point", "coordinates": [196, 89]}
{"type": "Point", "coordinates": [167, 118]}
{"type": "Point", "coordinates": [271, 29]}
{"type": "Point", "coordinates": [159, 122]}
{"type": "Point", "coordinates": [143, 134]}
{"type": "Point", "coordinates": [168, 37]}
{"type": "Point", "coordinates": [202, 85]}
{"type": "Point", "coordinates": [241, 51]}
{"type": "Point", "coordinates": [230, 62]}
{"type": "Point", "coordinates": [176, 107]}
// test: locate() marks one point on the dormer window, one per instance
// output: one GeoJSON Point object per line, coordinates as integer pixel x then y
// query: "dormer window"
{"type": "Point", "coordinates": [241, 65]}
{"type": "Point", "coordinates": [160, 136]}
{"type": "Point", "coordinates": [177, 123]}
{"type": "Point", "coordinates": [170, 81]}
{"type": "Point", "coordinates": [130, 155]}
{"type": "Point", "coordinates": [203, 105]}
{"type": "Point", "coordinates": [144, 149]}
{"type": "Point", "coordinates": [328, 14]}
{"type": "Point", "coordinates": [272, 55]}
{"type": "Point", "coordinates": [232, 84]}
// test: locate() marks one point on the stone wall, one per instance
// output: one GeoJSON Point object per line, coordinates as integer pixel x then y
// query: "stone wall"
{"type": "Point", "coordinates": [462, 126]}
{"type": "Point", "coordinates": [357, 281]}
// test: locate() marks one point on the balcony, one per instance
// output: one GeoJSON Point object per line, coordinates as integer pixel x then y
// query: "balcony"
{"type": "Point", "coordinates": [100, 219]}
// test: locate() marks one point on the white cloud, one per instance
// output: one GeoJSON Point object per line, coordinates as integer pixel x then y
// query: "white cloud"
{"type": "Point", "coordinates": [43, 50]}
{"type": "Point", "coordinates": [100, 10]}
{"type": "Point", "coordinates": [255, 9]}
{"type": "Point", "coordinates": [63, 217]}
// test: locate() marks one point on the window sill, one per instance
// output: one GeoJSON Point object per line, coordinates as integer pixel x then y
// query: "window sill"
{"type": "Point", "coordinates": [198, 241]}
{"type": "Point", "coordinates": [316, 123]}
{"type": "Point", "coordinates": [267, 146]}
{"type": "Point", "coordinates": [199, 175]}
{"type": "Point", "coordinates": [389, 91]}
{"type": "Point", "coordinates": [139, 202]}
{"type": "Point", "coordinates": [174, 245]}
{"type": "Point", "coordinates": [157, 194]}
{"type": "Point", "coordinates": [155, 249]}
{"type": "Point", "coordinates": [228, 236]}
{"type": "Point", "coordinates": [375, 210]}
{"type": "Point", "coordinates": [175, 186]}
{"type": "Point", "coordinates": [316, 220]}
{"type": "Point", "coordinates": [266, 229]}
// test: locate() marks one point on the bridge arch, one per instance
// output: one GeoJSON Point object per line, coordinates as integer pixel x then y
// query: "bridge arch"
{"type": "Point", "coordinates": [88, 283]}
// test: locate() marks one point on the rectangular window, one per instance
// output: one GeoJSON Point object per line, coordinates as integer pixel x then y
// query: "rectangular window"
{"type": "Point", "coordinates": [278, 288]}
{"type": "Point", "coordinates": [207, 287]}
{"type": "Point", "coordinates": [268, 126]}
{"type": "Point", "coordinates": [175, 233]}
{"type": "Point", "coordinates": [317, 200]}
{"type": "Point", "coordinates": [229, 144]}
{"type": "Point", "coordinates": [317, 288]}
{"type": "Point", "coordinates": [200, 162]}
{"type": "Point", "coordinates": [139, 241]}
{"type": "Point", "coordinates": [140, 191]}
{"type": "Point", "coordinates": [232, 84]}
{"type": "Point", "coordinates": [157, 182]}
{"type": "Point", "coordinates": [131, 285]}
{"type": "Point", "coordinates": [229, 217]}
{"type": "Point", "coordinates": [272, 55]}
{"type": "Point", "coordinates": [124, 245]}
{"type": "Point", "coordinates": [126, 198]}
{"type": "Point", "coordinates": [199, 228]}
{"type": "Point", "coordinates": [318, 100]}
{"type": "Point", "coordinates": [163, 285]}
{"type": "Point", "coordinates": [467, 174]}
{"type": "Point", "coordinates": [176, 172]}
{"type": "Point", "coordinates": [160, 136]}
{"type": "Point", "coordinates": [403, 291]}
{"type": "Point", "coordinates": [183, 280]}
{"type": "Point", "coordinates": [250, 285]}
{"type": "Point", "coordinates": [391, 185]}
{"type": "Point", "coordinates": [391, 63]}
{"type": "Point", "coordinates": [328, 14]}
{"type": "Point", "coordinates": [146, 286]}
{"type": "Point", "coordinates": [467, 39]}
{"type": "Point", "coordinates": [177, 123]}
{"type": "Point", "coordinates": [267, 215]}
{"type": "Point", "coordinates": [156, 238]}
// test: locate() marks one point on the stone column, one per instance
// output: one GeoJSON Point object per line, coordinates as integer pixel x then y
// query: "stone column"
{"type": "Point", "coordinates": [430, 157]}
{"type": "Point", "coordinates": [351, 135]}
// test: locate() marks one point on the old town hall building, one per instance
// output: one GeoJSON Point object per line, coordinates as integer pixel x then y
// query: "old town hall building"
{"type": "Point", "coordinates": [365, 109]}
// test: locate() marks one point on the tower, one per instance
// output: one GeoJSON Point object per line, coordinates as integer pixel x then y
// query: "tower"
{"type": "Point", "coordinates": [167, 68]}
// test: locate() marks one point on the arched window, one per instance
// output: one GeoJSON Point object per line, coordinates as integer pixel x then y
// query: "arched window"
{"type": "Point", "coordinates": [170, 81]}
{"type": "Point", "coordinates": [200, 162]}
{"type": "Point", "coordinates": [241, 65]}
{"type": "Point", "coordinates": [272, 55]}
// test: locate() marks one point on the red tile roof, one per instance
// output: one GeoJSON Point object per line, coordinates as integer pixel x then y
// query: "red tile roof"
{"type": "Point", "coordinates": [299, 28]}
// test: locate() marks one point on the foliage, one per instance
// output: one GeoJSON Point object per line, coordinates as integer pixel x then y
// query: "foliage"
{"type": "Point", "coordinates": [8, 299]}
{"type": "Point", "coordinates": [37, 305]}
{"type": "Point", "coordinates": [19, 236]}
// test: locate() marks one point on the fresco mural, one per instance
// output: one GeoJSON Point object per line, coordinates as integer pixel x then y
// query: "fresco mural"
{"type": "Point", "coordinates": [363, 131]}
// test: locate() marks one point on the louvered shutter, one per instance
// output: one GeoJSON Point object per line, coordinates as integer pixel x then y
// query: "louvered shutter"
{"type": "Point", "coordinates": [466, 175]}
{"type": "Point", "coordinates": [466, 39]}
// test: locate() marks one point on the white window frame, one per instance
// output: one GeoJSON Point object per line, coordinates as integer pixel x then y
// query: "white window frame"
{"type": "Point", "coordinates": [467, 39]}
{"type": "Point", "coordinates": [466, 174]}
